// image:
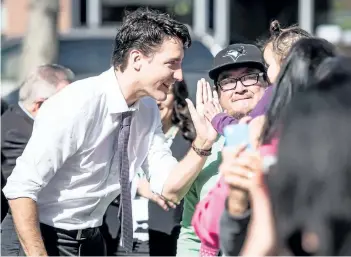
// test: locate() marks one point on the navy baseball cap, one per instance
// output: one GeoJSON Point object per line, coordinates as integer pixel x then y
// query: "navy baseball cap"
{"type": "Point", "coordinates": [236, 56]}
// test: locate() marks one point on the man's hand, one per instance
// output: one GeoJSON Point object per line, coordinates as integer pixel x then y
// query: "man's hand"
{"type": "Point", "coordinates": [206, 134]}
{"type": "Point", "coordinates": [25, 218]}
{"type": "Point", "coordinates": [212, 108]}
{"type": "Point", "coordinates": [145, 191]}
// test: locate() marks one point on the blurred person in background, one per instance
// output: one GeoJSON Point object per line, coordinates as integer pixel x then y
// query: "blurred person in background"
{"type": "Point", "coordinates": [18, 119]}
{"type": "Point", "coordinates": [240, 83]}
{"type": "Point", "coordinates": [17, 126]}
{"type": "Point", "coordinates": [103, 129]}
{"type": "Point", "coordinates": [4, 204]}
{"type": "Point", "coordinates": [275, 49]}
{"type": "Point", "coordinates": [297, 75]}
{"type": "Point", "coordinates": [4, 106]}
{"type": "Point", "coordinates": [164, 226]}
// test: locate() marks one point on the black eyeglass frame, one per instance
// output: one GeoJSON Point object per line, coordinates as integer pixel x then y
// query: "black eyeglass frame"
{"type": "Point", "coordinates": [260, 74]}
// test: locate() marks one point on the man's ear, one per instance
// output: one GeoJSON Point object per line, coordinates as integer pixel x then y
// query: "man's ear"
{"type": "Point", "coordinates": [135, 59]}
{"type": "Point", "coordinates": [37, 104]}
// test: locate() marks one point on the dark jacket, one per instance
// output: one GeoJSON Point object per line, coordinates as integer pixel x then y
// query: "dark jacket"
{"type": "Point", "coordinates": [165, 221]}
{"type": "Point", "coordinates": [233, 232]}
{"type": "Point", "coordinates": [16, 129]}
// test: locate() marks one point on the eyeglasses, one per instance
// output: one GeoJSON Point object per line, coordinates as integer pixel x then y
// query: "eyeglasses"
{"type": "Point", "coordinates": [230, 83]}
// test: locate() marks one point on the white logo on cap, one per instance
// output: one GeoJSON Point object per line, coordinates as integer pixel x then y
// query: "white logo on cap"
{"type": "Point", "coordinates": [235, 53]}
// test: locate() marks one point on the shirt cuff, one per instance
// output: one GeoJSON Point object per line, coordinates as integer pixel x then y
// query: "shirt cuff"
{"type": "Point", "coordinates": [12, 192]}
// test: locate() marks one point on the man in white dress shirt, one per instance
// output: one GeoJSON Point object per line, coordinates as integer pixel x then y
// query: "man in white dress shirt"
{"type": "Point", "coordinates": [65, 179]}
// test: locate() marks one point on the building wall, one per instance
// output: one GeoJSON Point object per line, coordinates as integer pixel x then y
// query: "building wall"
{"type": "Point", "coordinates": [16, 19]}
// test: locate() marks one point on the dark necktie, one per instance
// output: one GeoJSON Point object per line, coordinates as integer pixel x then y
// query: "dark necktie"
{"type": "Point", "coordinates": [126, 200]}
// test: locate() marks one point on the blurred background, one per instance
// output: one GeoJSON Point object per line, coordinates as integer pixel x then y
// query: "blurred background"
{"type": "Point", "coordinates": [79, 33]}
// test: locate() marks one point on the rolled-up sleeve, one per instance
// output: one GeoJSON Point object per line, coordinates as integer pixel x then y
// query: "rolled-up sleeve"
{"type": "Point", "coordinates": [57, 134]}
{"type": "Point", "coordinates": [159, 162]}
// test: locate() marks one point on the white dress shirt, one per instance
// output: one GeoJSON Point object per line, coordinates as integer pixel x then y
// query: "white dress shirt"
{"type": "Point", "coordinates": [66, 167]}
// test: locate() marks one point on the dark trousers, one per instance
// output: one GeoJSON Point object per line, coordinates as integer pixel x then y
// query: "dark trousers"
{"type": "Point", "coordinates": [111, 231]}
{"type": "Point", "coordinates": [58, 242]}
{"type": "Point", "coordinates": [162, 244]}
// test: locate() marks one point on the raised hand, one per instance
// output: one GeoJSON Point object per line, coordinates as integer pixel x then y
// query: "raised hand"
{"type": "Point", "coordinates": [212, 108]}
{"type": "Point", "coordinates": [205, 133]}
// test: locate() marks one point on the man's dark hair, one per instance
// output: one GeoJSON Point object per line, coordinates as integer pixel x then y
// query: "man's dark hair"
{"type": "Point", "coordinates": [145, 30]}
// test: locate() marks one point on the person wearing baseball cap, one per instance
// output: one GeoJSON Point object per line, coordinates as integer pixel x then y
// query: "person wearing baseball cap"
{"type": "Point", "coordinates": [241, 89]}
{"type": "Point", "coordinates": [241, 81]}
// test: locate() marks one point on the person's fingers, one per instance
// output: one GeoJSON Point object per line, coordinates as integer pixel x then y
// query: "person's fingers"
{"type": "Point", "coordinates": [160, 202]}
{"type": "Point", "coordinates": [250, 162]}
{"type": "Point", "coordinates": [217, 106]}
{"type": "Point", "coordinates": [199, 96]}
{"type": "Point", "coordinates": [163, 202]}
{"type": "Point", "coordinates": [238, 182]}
{"type": "Point", "coordinates": [232, 152]}
{"type": "Point", "coordinates": [209, 115]}
{"type": "Point", "coordinates": [172, 205]}
{"type": "Point", "coordinates": [237, 170]}
{"type": "Point", "coordinates": [209, 91]}
{"type": "Point", "coordinates": [245, 120]}
{"type": "Point", "coordinates": [204, 91]}
{"type": "Point", "coordinates": [169, 202]}
{"type": "Point", "coordinates": [193, 112]}
{"type": "Point", "coordinates": [210, 108]}
{"type": "Point", "coordinates": [215, 95]}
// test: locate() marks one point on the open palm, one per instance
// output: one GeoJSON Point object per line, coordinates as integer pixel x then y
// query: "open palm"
{"type": "Point", "coordinates": [203, 127]}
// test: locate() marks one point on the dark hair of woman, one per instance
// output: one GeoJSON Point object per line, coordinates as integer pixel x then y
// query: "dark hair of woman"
{"type": "Point", "coordinates": [181, 115]}
{"type": "Point", "coordinates": [333, 69]}
{"type": "Point", "coordinates": [296, 75]}
{"type": "Point", "coordinates": [310, 186]}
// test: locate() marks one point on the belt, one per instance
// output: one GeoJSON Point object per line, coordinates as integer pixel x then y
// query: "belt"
{"type": "Point", "coordinates": [78, 234]}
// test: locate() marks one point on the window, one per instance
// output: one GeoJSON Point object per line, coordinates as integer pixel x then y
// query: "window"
{"type": "Point", "coordinates": [113, 11]}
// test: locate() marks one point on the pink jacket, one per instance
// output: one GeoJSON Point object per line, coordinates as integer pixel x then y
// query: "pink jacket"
{"type": "Point", "coordinates": [206, 219]}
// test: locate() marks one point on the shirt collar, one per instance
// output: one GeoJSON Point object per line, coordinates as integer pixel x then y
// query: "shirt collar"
{"type": "Point", "coordinates": [115, 99]}
{"type": "Point", "coordinates": [25, 110]}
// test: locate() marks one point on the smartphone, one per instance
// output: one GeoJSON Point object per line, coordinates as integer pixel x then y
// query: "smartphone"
{"type": "Point", "coordinates": [237, 134]}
